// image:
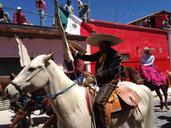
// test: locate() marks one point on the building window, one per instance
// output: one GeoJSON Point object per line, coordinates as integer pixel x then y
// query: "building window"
{"type": "Point", "coordinates": [9, 65]}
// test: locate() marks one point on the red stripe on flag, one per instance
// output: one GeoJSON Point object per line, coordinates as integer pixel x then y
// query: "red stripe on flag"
{"type": "Point", "coordinates": [85, 29]}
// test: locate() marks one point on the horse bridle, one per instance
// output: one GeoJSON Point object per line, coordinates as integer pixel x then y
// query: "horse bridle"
{"type": "Point", "coordinates": [17, 87]}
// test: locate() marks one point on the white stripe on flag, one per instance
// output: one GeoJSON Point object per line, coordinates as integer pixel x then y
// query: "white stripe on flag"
{"type": "Point", "coordinates": [73, 25]}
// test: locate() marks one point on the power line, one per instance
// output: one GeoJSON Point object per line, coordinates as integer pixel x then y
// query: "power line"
{"type": "Point", "coordinates": [27, 12]}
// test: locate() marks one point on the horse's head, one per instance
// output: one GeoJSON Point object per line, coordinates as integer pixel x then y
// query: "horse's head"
{"type": "Point", "coordinates": [32, 77]}
{"type": "Point", "coordinates": [133, 75]}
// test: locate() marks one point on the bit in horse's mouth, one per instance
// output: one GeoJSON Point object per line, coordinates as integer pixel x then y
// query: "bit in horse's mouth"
{"type": "Point", "coordinates": [14, 97]}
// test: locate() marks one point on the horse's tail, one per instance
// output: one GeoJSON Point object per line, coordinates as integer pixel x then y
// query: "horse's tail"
{"type": "Point", "coordinates": [150, 113]}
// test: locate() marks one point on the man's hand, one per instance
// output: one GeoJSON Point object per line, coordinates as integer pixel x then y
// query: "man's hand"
{"type": "Point", "coordinates": [87, 74]}
{"type": "Point", "coordinates": [88, 78]}
{"type": "Point", "coordinates": [73, 50]}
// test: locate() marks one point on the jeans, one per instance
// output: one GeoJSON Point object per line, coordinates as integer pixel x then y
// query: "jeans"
{"type": "Point", "coordinates": [42, 17]}
{"type": "Point", "coordinates": [100, 102]}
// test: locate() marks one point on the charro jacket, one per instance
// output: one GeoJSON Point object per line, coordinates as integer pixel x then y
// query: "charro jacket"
{"type": "Point", "coordinates": [110, 67]}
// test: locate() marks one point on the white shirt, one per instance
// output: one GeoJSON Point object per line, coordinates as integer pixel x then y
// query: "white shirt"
{"type": "Point", "coordinates": [147, 60]}
{"type": "Point", "coordinates": [70, 9]}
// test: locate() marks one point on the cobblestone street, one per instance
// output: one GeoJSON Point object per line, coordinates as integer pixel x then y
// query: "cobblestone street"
{"type": "Point", "coordinates": [162, 119]}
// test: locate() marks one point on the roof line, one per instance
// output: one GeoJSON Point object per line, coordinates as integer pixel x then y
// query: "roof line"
{"type": "Point", "coordinates": [148, 16]}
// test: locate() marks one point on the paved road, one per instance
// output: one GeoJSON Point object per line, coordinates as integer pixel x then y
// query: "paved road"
{"type": "Point", "coordinates": [162, 119]}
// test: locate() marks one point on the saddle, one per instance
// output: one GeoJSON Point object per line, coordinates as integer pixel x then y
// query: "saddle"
{"type": "Point", "coordinates": [121, 98]}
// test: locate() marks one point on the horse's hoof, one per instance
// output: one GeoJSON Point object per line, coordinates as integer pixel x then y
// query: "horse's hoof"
{"type": "Point", "coordinates": [161, 107]}
{"type": "Point", "coordinates": [161, 110]}
{"type": "Point", "coordinates": [167, 108]}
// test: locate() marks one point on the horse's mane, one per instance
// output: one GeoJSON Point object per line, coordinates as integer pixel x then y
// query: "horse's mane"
{"type": "Point", "coordinates": [56, 68]}
{"type": "Point", "coordinates": [133, 75]}
{"type": "Point", "coordinates": [130, 69]}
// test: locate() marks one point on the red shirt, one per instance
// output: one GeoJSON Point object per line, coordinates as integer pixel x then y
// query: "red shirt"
{"type": "Point", "coordinates": [79, 68]}
{"type": "Point", "coordinates": [41, 5]}
{"type": "Point", "coordinates": [19, 18]}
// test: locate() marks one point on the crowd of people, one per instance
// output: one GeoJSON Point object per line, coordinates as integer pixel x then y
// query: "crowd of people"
{"type": "Point", "coordinates": [20, 18]}
{"type": "Point", "coordinates": [108, 60]}
{"type": "Point", "coordinates": [165, 23]}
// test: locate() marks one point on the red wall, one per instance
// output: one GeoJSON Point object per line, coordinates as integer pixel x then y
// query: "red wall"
{"type": "Point", "coordinates": [134, 40]}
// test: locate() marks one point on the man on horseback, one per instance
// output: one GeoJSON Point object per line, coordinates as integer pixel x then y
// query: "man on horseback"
{"type": "Point", "coordinates": [107, 69]}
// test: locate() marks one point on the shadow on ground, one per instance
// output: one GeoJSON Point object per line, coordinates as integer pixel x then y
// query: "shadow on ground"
{"type": "Point", "coordinates": [168, 124]}
{"type": "Point", "coordinates": [37, 121]}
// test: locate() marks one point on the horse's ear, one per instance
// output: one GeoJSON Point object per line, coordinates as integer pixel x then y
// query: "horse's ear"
{"type": "Point", "coordinates": [48, 57]}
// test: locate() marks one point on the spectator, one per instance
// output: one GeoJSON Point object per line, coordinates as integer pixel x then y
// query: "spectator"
{"type": "Point", "coordinates": [165, 23]}
{"type": "Point", "coordinates": [83, 11]}
{"type": "Point", "coordinates": [6, 14]}
{"type": "Point", "coordinates": [147, 22]}
{"type": "Point", "coordinates": [80, 5]}
{"type": "Point", "coordinates": [68, 7]}
{"type": "Point", "coordinates": [4, 17]}
{"type": "Point", "coordinates": [19, 17]}
{"type": "Point", "coordinates": [41, 8]}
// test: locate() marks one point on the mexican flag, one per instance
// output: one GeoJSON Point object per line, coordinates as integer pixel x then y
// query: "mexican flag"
{"type": "Point", "coordinates": [73, 25]}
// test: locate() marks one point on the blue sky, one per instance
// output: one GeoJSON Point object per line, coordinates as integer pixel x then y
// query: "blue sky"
{"type": "Point", "coordinates": [122, 11]}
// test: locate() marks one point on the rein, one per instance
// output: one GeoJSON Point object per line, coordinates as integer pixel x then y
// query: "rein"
{"type": "Point", "coordinates": [61, 91]}
{"type": "Point", "coordinates": [58, 93]}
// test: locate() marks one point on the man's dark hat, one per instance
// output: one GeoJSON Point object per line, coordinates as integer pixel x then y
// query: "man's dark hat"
{"type": "Point", "coordinates": [96, 38]}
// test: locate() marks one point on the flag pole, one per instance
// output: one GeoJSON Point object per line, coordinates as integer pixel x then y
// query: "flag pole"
{"type": "Point", "coordinates": [89, 8]}
{"type": "Point", "coordinates": [58, 23]}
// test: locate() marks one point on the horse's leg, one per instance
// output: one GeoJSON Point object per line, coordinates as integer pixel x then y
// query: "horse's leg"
{"type": "Point", "coordinates": [31, 120]}
{"type": "Point", "coordinates": [133, 122]}
{"type": "Point", "coordinates": [51, 121]}
{"type": "Point", "coordinates": [160, 96]}
{"type": "Point", "coordinates": [164, 89]}
{"type": "Point", "coordinates": [18, 117]}
{"type": "Point", "coordinates": [119, 119]}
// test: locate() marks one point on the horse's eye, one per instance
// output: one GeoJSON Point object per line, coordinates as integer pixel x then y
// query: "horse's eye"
{"type": "Point", "coordinates": [31, 69]}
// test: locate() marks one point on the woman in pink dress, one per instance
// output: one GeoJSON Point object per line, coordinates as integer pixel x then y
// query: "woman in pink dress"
{"type": "Point", "coordinates": [147, 69]}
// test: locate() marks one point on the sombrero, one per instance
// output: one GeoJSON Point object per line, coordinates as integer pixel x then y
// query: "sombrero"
{"type": "Point", "coordinates": [96, 38]}
{"type": "Point", "coordinates": [77, 46]}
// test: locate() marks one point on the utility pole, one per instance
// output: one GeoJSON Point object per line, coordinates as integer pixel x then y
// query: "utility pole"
{"type": "Point", "coordinates": [115, 17]}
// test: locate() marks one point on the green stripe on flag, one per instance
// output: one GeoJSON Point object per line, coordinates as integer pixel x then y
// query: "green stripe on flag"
{"type": "Point", "coordinates": [64, 17]}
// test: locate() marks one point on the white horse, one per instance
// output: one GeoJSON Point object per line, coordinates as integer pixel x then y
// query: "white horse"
{"type": "Point", "coordinates": [68, 99]}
